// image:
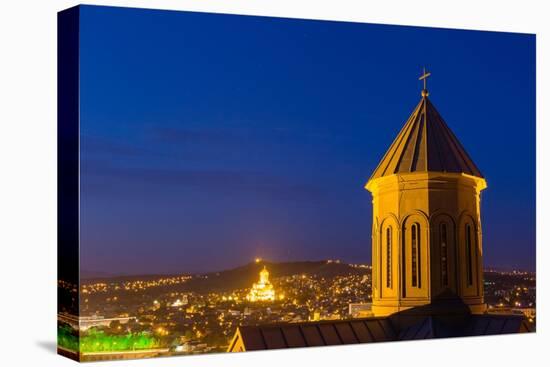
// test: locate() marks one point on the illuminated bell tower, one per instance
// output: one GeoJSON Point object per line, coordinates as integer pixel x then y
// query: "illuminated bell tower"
{"type": "Point", "coordinates": [264, 276]}
{"type": "Point", "coordinates": [426, 230]}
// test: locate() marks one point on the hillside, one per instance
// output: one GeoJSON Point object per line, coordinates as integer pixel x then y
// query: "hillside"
{"type": "Point", "coordinates": [244, 276]}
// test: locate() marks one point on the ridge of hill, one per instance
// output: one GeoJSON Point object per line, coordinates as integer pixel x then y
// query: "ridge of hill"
{"type": "Point", "coordinates": [243, 276]}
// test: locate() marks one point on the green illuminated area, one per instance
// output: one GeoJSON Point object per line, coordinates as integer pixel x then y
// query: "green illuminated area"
{"type": "Point", "coordinates": [67, 338]}
{"type": "Point", "coordinates": [99, 341]}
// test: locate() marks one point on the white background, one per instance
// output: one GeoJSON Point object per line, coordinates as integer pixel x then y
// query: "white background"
{"type": "Point", "coordinates": [28, 180]}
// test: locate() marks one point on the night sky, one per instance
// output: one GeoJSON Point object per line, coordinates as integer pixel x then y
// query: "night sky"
{"type": "Point", "coordinates": [208, 140]}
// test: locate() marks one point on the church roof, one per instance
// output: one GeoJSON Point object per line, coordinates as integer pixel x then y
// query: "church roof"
{"type": "Point", "coordinates": [426, 144]}
{"type": "Point", "coordinates": [314, 334]}
{"type": "Point", "coordinates": [374, 329]}
{"type": "Point", "coordinates": [476, 325]}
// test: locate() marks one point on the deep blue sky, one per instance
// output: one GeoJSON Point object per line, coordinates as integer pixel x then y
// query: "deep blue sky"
{"type": "Point", "coordinates": [208, 140]}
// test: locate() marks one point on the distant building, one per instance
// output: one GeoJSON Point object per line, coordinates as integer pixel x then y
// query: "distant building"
{"type": "Point", "coordinates": [427, 272]}
{"type": "Point", "coordinates": [530, 312]}
{"type": "Point", "coordinates": [263, 289]}
{"type": "Point", "coordinates": [84, 323]}
{"type": "Point", "coordinates": [360, 310]}
{"type": "Point", "coordinates": [316, 316]}
{"type": "Point", "coordinates": [179, 302]}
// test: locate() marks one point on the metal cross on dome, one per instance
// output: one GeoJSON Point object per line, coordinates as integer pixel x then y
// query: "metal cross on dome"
{"type": "Point", "coordinates": [424, 77]}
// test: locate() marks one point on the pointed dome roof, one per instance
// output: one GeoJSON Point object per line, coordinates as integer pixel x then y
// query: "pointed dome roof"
{"type": "Point", "coordinates": [425, 144]}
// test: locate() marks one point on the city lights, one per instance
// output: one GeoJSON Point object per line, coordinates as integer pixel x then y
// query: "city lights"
{"type": "Point", "coordinates": [183, 321]}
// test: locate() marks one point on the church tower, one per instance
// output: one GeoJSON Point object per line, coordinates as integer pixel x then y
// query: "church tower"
{"type": "Point", "coordinates": [426, 230]}
{"type": "Point", "coordinates": [427, 270]}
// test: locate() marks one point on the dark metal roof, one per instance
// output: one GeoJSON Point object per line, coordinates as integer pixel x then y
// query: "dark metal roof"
{"type": "Point", "coordinates": [497, 324]}
{"type": "Point", "coordinates": [476, 325]}
{"type": "Point", "coordinates": [376, 329]}
{"type": "Point", "coordinates": [426, 144]}
{"type": "Point", "coordinates": [322, 333]}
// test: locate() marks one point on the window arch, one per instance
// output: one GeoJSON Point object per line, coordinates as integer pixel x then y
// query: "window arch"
{"type": "Point", "coordinates": [415, 255]}
{"type": "Point", "coordinates": [444, 256]}
{"type": "Point", "coordinates": [469, 263]}
{"type": "Point", "coordinates": [389, 257]}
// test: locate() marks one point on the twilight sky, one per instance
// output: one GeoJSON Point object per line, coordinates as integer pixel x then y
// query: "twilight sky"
{"type": "Point", "coordinates": [208, 140]}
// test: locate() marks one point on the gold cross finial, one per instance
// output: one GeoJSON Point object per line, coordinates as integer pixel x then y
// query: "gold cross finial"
{"type": "Point", "coordinates": [424, 78]}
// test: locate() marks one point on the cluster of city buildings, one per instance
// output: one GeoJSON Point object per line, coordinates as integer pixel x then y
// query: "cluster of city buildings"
{"type": "Point", "coordinates": [191, 322]}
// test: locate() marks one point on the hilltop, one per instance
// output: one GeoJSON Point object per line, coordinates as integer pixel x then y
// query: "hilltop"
{"type": "Point", "coordinates": [244, 276]}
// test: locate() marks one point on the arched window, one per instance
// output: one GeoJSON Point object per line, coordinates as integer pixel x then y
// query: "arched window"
{"type": "Point", "coordinates": [443, 250]}
{"type": "Point", "coordinates": [415, 255]}
{"type": "Point", "coordinates": [388, 258]}
{"type": "Point", "coordinates": [469, 271]}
